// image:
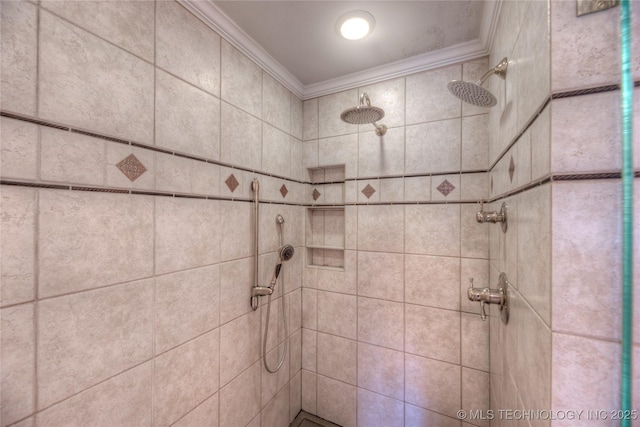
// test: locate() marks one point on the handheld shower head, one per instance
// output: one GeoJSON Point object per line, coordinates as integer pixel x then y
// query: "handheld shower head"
{"type": "Point", "coordinates": [363, 114]}
{"type": "Point", "coordinates": [474, 93]}
{"type": "Point", "coordinates": [286, 252]}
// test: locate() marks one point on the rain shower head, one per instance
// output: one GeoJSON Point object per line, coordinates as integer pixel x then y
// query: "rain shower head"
{"type": "Point", "coordinates": [363, 114]}
{"type": "Point", "coordinates": [474, 93]}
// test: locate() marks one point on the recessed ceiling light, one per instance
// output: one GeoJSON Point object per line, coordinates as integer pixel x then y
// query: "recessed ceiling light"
{"type": "Point", "coordinates": [355, 25]}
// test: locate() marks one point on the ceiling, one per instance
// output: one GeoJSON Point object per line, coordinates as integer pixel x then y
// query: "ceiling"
{"type": "Point", "coordinates": [296, 41]}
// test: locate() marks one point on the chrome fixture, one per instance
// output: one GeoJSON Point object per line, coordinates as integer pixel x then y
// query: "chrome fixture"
{"type": "Point", "coordinates": [486, 296]}
{"type": "Point", "coordinates": [365, 113]}
{"type": "Point", "coordinates": [585, 7]}
{"type": "Point", "coordinates": [474, 93]}
{"type": "Point", "coordinates": [493, 217]}
{"type": "Point", "coordinates": [255, 292]}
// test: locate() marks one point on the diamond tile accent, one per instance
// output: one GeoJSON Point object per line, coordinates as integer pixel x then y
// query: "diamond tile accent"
{"type": "Point", "coordinates": [284, 191]}
{"type": "Point", "coordinates": [232, 183]}
{"type": "Point", "coordinates": [445, 188]}
{"type": "Point", "coordinates": [131, 167]}
{"type": "Point", "coordinates": [368, 191]}
{"type": "Point", "coordinates": [315, 194]}
{"type": "Point", "coordinates": [512, 169]}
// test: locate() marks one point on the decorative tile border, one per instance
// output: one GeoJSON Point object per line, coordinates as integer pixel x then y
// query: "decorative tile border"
{"type": "Point", "coordinates": [368, 191]}
{"type": "Point", "coordinates": [131, 167]}
{"type": "Point", "coordinates": [445, 188]}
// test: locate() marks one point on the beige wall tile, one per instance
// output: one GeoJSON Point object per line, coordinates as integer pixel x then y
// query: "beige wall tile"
{"type": "Point", "coordinates": [432, 229]}
{"type": "Point", "coordinates": [381, 156]}
{"type": "Point", "coordinates": [77, 251]}
{"type": "Point", "coordinates": [19, 147]}
{"type": "Point", "coordinates": [340, 281]}
{"type": "Point", "coordinates": [295, 352]}
{"type": "Point", "coordinates": [417, 189]}
{"type": "Point", "coordinates": [277, 104]}
{"type": "Point", "coordinates": [432, 281]}
{"type": "Point", "coordinates": [272, 383]}
{"type": "Point", "coordinates": [390, 96]}
{"type": "Point", "coordinates": [186, 306]}
{"type": "Point", "coordinates": [310, 120]}
{"type": "Point", "coordinates": [241, 81]}
{"type": "Point", "coordinates": [19, 37]}
{"type": "Point", "coordinates": [381, 323]}
{"type": "Point", "coordinates": [337, 358]}
{"type": "Point", "coordinates": [381, 370]}
{"type": "Point", "coordinates": [309, 392]}
{"type": "Point", "coordinates": [187, 119]}
{"type": "Point", "coordinates": [174, 173]}
{"type": "Point", "coordinates": [522, 160]}
{"type": "Point", "coordinates": [380, 228]}
{"type": "Point", "coordinates": [336, 402]}
{"type": "Point", "coordinates": [178, 388]}
{"type": "Point", "coordinates": [475, 392]}
{"type": "Point", "coordinates": [433, 333]}
{"type": "Point", "coordinates": [295, 396]}
{"type": "Point", "coordinates": [276, 151]}
{"type": "Point", "coordinates": [88, 83]}
{"type": "Point", "coordinates": [239, 345]}
{"type": "Point", "coordinates": [239, 126]}
{"type": "Point", "coordinates": [474, 186]}
{"type": "Point", "coordinates": [340, 150]}
{"type": "Point", "coordinates": [474, 237]}
{"type": "Point", "coordinates": [123, 399]}
{"type": "Point", "coordinates": [240, 399]}
{"type": "Point", "coordinates": [374, 409]}
{"type": "Point", "coordinates": [204, 415]}
{"type": "Point", "coordinates": [276, 412]}
{"type": "Point", "coordinates": [310, 308]}
{"type": "Point", "coordinates": [17, 243]}
{"type": "Point", "coordinates": [297, 117]}
{"type": "Point", "coordinates": [128, 25]}
{"type": "Point", "coordinates": [432, 385]}
{"type": "Point", "coordinates": [82, 340]}
{"type": "Point", "coordinates": [187, 233]}
{"type": "Point", "coordinates": [475, 141]}
{"type": "Point", "coordinates": [381, 275]}
{"type": "Point", "coordinates": [71, 157]}
{"type": "Point", "coordinates": [478, 269]}
{"type": "Point", "coordinates": [336, 314]}
{"type": "Point", "coordinates": [474, 341]}
{"type": "Point", "coordinates": [298, 171]}
{"type": "Point", "coordinates": [236, 280]}
{"type": "Point", "coordinates": [415, 416]}
{"type": "Point", "coordinates": [428, 98]}
{"type": "Point", "coordinates": [199, 64]}
{"type": "Point", "coordinates": [329, 109]}
{"type": "Point", "coordinates": [18, 363]}
{"type": "Point", "coordinates": [433, 147]}
{"type": "Point", "coordinates": [309, 350]}
{"type": "Point", "coordinates": [541, 144]}
{"type": "Point", "coordinates": [392, 190]}
{"type": "Point", "coordinates": [236, 239]}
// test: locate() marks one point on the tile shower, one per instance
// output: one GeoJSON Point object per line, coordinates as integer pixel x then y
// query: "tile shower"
{"type": "Point", "coordinates": [127, 238]}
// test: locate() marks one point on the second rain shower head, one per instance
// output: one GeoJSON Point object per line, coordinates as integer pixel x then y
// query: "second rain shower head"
{"type": "Point", "coordinates": [365, 113]}
{"type": "Point", "coordinates": [474, 93]}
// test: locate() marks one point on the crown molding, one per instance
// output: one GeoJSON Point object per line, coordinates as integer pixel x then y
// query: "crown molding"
{"type": "Point", "coordinates": [211, 15]}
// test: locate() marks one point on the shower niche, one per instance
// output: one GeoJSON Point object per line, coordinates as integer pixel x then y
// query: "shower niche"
{"type": "Point", "coordinates": [324, 233]}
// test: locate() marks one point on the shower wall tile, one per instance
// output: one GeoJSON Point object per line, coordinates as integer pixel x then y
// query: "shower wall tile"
{"type": "Point", "coordinates": [585, 256]}
{"type": "Point", "coordinates": [19, 42]}
{"type": "Point", "coordinates": [329, 109]}
{"type": "Point", "coordinates": [381, 323]}
{"type": "Point", "coordinates": [276, 412]}
{"type": "Point", "coordinates": [297, 117]}
{"type": "Point", "coordinates": [380, 228]}
{"type": "Point", "coordinates": [295, 396]}
{"type": "Point", "coordinates": [272, 383]}
{"type": "Point", "coordinates": [585, 50]}
{"type": "Point", "coordinates": [475, 142]}
{"type": "Point", "coordinates": [423, 235]}
{"type": "Point", "coordinates": [474, 186]}
{"type": "Point", "coordinates": [205, 178]}
{"type": "Point", "coordinates": [123, 399]}
{"type": "Point", "coordinates": [585, 133]}
{"type": "Point", "coordinates": [18, 148]}
{"type": "Point", "coordinates": [237, 125]}
{"type": "Point", "coordinates": [522, 160]}
{"type": "Point", "coordinates": [417, 189]}
{"type": "Point", "coordinates": [392, 190]}
{"type": "Point", "coordinates": [428, 98]}
{"type": "Point", "coordinates": [187, 233]}
{"type": "Point", "coordinates": [390, 96]}
{"type": "Point", "coordinates": [381, 370]}
{"type": "Point", "coordinates": [337, 401]}
{"type": "Point", "coordinates": [115, 153]}
{"type": "Point", "coordinates": [239, 345]}
{"type": "Point", "coordinates": [415, 416]}
{"type": "Point", "coordinates": [474, 341]}
{"type": "Point", "coordinates": [174, 173]}
{"type": "Point", "coordinates": [309, 350]}
{"type": "Point", "coordinates": [71, 157]}
{"type": "Point", "coordinates": [433, 147]}
{"type": "Point", "coordinates": [432, 281]}
{"type": "Point", "coordinates": [205, 414]}
{"type": "Point", "coordinates": [240, 399]}
{"type": "Point", "coordinates": [433, 385]}
{"type": "Point", "coordinates": [344, 282]}
{"type": "Point", "coordinates": [178, 387]}
{"type": "Point", "coordinates": [310, 308]}
{"type": "Point", "coordinates": [17, 244]}
{"type": "Point", "coordinates": [310, 120]}
{"type": "Point", "coordinates": [337, 314]}
{"type": "Point", "coordinates": [276, 151]}
{"type": "Point", "coordinates": [295, 353]}
{"type": "Point", "coordinates": [475, 392]}
{"type": "Point", "coordinates": [106, 89]}
{"type": "Point", "coordinates": [368, 191]}
{"type": "Point", "coordinates": [381, 275]}
{"type": "Point", "coordinates": [297, 161]}
{"type": "Point", "coordinates": [445, 188]}
{"type": "Point", "coordinates": [309, 392]}
{"type": "Point", "coordinates": [74, 254]}
{"type": "Point", "coordinates": [478, 269]}
{"type": "Point", "coordinates": [378, 157]}
{"type": "Point", "coordinates": [187, 119]}
{"type": "Point", "coordinates": [200, 64]}
{"type": "Point", "coordinates": [374, 409]}
{"type": "Point", "coordinates": [236, 233]}
{"type": "Point", "coordinates": [18, 363]}
{"type": "Point", "coordinates": [128, 25]}
{"type": "Point", "coordinates": [340, 150]}
{"type": "Point", "coordinates": [337, 358]}
{"type": "Point", "coordinates": [474, 237]}
{"type": "Point", "coordinates": [186, 306]}
{"type": "Point", "coordinates": [83, 341]}
{"type": "Point", "coordinates": [541, 145]}
{"type": "Point", "coordinates": [241, 81]}
{"type": "Point", "coordinates": [428, 333]}
{"type": "Point", "coordinates": [295, 310]}
{"type": "Point", "coordinates": [276, 104]}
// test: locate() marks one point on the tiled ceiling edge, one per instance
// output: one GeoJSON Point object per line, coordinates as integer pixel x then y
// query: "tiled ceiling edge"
{"type": "Point", "coordinates": [223, 25]}
{"type": "Point", "coordinates": [209, 13]}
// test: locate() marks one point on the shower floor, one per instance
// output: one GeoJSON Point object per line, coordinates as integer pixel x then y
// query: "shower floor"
{"type": "Point", "coordinates": [304, 419]}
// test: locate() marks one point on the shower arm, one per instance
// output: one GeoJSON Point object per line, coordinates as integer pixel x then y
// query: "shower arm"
{"type": "Point", "coordinates": [500, 70]}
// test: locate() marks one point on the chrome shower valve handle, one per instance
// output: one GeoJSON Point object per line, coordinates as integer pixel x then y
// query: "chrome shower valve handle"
{"type": "Point", "coordinates": [486, 296]}
{"type": "Point", "coordinates": [493, 217]}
